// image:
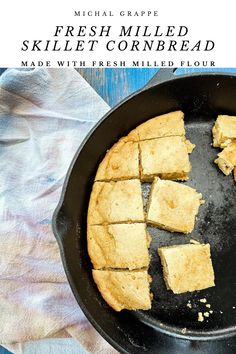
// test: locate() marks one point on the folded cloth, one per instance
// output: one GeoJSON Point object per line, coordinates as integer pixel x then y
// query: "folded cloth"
{"type": "Point", "coordinates": [44, 115]}
{"type": "Point", "coordinates": [50, 346]}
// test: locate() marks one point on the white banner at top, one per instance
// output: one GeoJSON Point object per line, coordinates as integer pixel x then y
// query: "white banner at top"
{"type": "Point", "coordinates": [117, 34]}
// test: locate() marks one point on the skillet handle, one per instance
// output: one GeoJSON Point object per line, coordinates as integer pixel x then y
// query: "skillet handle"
{"type": "Point", "coordinates": [60, 225]}
{"type": "Point", "coordinates": [161, 76]}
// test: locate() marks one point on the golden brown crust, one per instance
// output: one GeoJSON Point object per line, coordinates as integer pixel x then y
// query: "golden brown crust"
{"type": "Point", "coordinates": [169, 124]}
{"type": "Point", "coordinates": [173, 206]}
{"type": "Point", "coordinates": [235, 174]}
{"type": "Point", "coordinates": [227, 158]}
{"type": "Point", "coordinates": [132, 136]}
{"type": "Point", "coordinates": [118, 246]}
{"type": "Point", "coordinates": [187, 267]}
{"type": "Point", "coordinates": [124, 289]}
{"type": "Point", "coordinates": [120, 162]}
{"type": "Point", "coordinates": [166, 157]}
{"type": "Point", "coordinates": [116, 202]}
{"type": "Point", "coordinates": [224, 130]}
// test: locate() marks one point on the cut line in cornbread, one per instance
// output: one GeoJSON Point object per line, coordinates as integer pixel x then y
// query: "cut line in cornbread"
{"type": "Point", "coordinates": [187, 267]}
{"type": "Point", "coordinates": [227, 158]}
{"type": "Point", "coordinates": [224, 130]}
{"type": "Point", "coordinates": [124, 289]}
{"type": "Point", "coordinates": [173, 206]}
{"type": "Point", "coordinates": [167, 158]}
{"type": "Point", "coordinates": [118, 246]}
{"type": "Point", "coordinates": [120, 162]}
{"type": "Point", "coordinates": [169, 124]}
{"type": "Point", "coordinates": [116, 202]}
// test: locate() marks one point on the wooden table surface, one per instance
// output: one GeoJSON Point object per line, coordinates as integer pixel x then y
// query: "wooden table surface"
{"type": "Point", "coordinates": [115, 84]}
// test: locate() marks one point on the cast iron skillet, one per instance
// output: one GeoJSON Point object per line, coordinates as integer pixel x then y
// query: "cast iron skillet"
{"type": "Point", "coordinates": [170, 326]}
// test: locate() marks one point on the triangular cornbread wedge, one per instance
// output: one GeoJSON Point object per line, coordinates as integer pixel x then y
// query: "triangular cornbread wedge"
{"type": "Point", "coordinates": [124, 289]}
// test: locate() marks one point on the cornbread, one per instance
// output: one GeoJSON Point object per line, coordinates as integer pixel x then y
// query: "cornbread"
{"type": "Point", "coordinates": [187, 267]}
{"type": "Point", "coordinates": [120, 162]}
{"type": "Point", "coordinates": [227, 158]}
{"type": "Point", "coordinates": [118, 246]}
{"type": "Point", "coordinates": [190, 146]}
{"type": "Point", "coordinates": [166, 158]}
{"type": "Point", "coordinates": [200, 317]}
{"type": "Point", "coordinates": [224, 130]}
{"type": "Point", "coordinates": [173, 206]}
{"type": "Point", "coordinates": [170, 124]}
{"type": "Point", "coordinates": [117, 236]}
{"type": "Point", "coordinates": [116, 202]}
{"type": "Point", "coordinates": [124, 289]}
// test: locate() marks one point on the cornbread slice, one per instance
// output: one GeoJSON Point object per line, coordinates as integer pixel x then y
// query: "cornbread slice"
{"type": "Point", "coordinates": [169, 124]}
{"type": "Point", "coordinates": [116, 202]}
{"type": "Point", "coordinates": [224, 130]}
{"type": "Point", "coordinates": [120, 162]}
{"type": "Point", "coordinates": [187, 267]}
{"type": "Point", "coordinates": [124, 289]}
{"type": "Point", "coordinates": [227, 158]}
{"type": "Point", "coordinates": [118, 246]}
{"type": "Point", "coordinates": [173, 206]}
{"type": "Point", "coordinates": [167, 158]}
